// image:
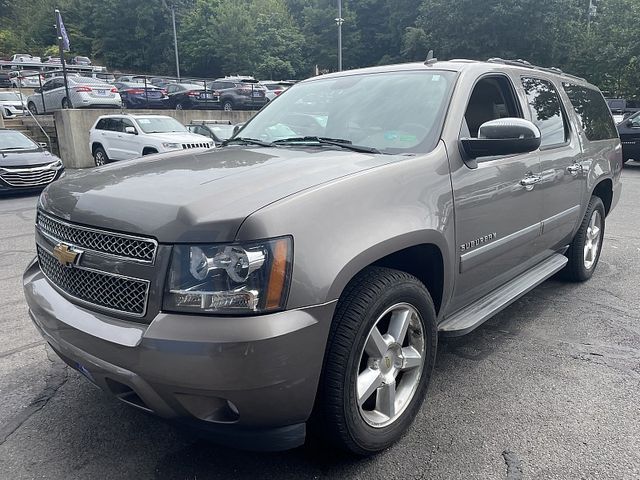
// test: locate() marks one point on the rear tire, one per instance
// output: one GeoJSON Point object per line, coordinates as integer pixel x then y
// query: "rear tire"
{"type": "Point", "coordinates": [66, 103]}
{"type": "Point", "coordinates": [373, 383]}
{"type": "Point", "coordinates": [584, 251]}
{"type": "Point", "coordinates": [227, 106]}
{"type": "Point", "coordinates": [100, 157]}
{"type": "Point", "coordinates": [179, 106]}
{"type": "Point", "coordinates": [32, 108]}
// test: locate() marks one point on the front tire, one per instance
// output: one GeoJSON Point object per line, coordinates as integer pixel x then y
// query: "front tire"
{"type": "Point", "coordinates": [66, 103]}
{"type": "Point", "coordinates": [32, 108]}
{"type": "Point", "coordinates": [584, 251]}
{"type": "Point", "coordinates": [227, 106]}
{"type": "Point", "coordinates": [100, 157]}
{"type": "Point", "coordinates": [378, 361]}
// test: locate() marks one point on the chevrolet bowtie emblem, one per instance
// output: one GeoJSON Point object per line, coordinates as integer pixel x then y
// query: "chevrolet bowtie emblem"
{"type": "Point", "coordinates": [66, 255]}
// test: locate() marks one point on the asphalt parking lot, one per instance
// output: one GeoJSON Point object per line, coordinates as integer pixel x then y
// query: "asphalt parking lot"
{"type": "Point", "coordinates": [548, 389]}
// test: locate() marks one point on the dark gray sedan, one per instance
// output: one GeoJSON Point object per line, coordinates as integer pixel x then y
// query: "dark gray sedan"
{"type": "Point", "coordinates": [25, 166]}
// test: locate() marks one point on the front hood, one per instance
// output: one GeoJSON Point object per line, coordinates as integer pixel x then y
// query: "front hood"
{"type": "Point", "coordinates": [196, 197]}
{"type": "Point", "coordinates": [26, 158]}
{"type": "Point", "coordinates": [179, 137]}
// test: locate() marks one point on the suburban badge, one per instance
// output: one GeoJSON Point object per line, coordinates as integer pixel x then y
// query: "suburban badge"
{"type": "Point", "coordinates": [478, 241]}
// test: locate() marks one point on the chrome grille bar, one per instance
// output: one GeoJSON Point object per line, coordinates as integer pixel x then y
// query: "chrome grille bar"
{"type": "Point", "coordinates": [120, 245]}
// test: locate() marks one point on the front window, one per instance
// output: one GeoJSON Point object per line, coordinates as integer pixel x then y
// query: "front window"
{"type": "Point", "coordinates": [11, 140]}
{"type": "Point", "coordinates": [223, 132]}
{"type": "Point", "coordinates": [160, 125]}
{"type": "Point", "coordinates": [395, 112]}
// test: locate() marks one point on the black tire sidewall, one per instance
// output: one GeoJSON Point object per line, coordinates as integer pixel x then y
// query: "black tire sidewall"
{"type": "Point", "coordinates": [576, 268]}
{"type": "Point", "coordinates": [362, 438]}
{"type": "Point", "coordinates": [104, 154]}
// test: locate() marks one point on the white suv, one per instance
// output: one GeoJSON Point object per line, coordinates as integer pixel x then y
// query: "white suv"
{"type": "Point", "coordinates": [121, 137]}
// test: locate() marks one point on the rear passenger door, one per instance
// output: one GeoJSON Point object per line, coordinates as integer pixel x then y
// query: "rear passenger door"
{"type": "Point", "coordinates": [562, 183]}
{"type": "Point", "coordinates": [110, 139]}
{"type": "Point", "coordinates": [497, 218]}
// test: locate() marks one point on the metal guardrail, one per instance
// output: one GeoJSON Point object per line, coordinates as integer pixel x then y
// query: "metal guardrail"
{"type": "Point", "coordinates": [39, 126]}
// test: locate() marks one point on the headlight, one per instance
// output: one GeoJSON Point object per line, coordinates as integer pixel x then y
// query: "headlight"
{"type": "Point", "coordinates": [239, 278]}
{"type": "Point", "coordinates": [170, 145]}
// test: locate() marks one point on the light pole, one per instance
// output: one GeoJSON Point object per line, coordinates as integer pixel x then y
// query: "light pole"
{"type": "Point", "coordinates": [339, 21]}
{"type": "Point", "coordinates": [175, 36]}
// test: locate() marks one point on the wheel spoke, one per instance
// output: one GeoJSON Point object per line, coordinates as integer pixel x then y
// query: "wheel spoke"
{"type": "Point", "coordinates": [412, 358]}
{"type": "Point", "coordinates": [399, 324]}
{"type": "Point", "coordinates": [368, 381]}
{"type": "Point", "coordinates": [587, 253]}
{"type": "Point", "coordinates": [375, 347]}
{"type": "Point", "coordinates": [386, 399]}
{"type": "Point", "coordinates": [595, 233]}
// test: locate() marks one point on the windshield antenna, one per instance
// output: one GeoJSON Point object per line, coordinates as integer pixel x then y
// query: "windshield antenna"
{"type": "Point", "coordinates": [430, 59]}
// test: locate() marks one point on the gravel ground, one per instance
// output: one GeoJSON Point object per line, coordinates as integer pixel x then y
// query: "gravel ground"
{"type": "Point", "coordinates": [547, 389]}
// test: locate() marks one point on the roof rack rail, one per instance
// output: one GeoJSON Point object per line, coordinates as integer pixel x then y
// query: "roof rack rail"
{"type": "Point", "coordinates": [523, 63]}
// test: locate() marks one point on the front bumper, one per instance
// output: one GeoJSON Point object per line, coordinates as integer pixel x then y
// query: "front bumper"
{"type": "Point", "coordinates": [250, 381]}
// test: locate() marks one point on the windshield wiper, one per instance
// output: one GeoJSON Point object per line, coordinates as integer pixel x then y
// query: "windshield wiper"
{"type": "Point", "coordinates": [337, 142]}
{"type": "Point", "coordinates": [246, 140]}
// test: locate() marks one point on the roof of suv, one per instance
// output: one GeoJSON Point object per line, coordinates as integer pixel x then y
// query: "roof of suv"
{"type": "Point", "coordinates": [134, 115]}
{"type": "Point", "coordinates": [462, 65]}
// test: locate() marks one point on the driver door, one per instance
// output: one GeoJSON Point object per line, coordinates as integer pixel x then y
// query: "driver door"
{"type": "Point", "coordinates": [497, 217]}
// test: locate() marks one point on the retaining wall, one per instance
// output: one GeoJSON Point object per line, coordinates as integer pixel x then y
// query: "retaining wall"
{"type": "Point", "coordinates": [73, 127]}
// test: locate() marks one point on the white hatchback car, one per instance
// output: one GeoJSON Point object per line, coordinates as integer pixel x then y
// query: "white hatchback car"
{"type": "Point", "coordinates": [121, 137]}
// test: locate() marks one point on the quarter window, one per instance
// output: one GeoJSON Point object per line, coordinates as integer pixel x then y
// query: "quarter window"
{"type": "Point", "coordinates": [592, 111]}
{"type": "Point", "coordinates": [546, 110]}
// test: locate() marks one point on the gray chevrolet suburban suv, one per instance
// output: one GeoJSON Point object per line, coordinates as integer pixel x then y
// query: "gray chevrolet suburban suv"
{"type": "Point", "coordinates": [298, 277]}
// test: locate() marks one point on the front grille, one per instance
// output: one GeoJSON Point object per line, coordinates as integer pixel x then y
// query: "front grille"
{"type": "Point", "coordinates": [114, 292]}
{"type": "Point", "coordinates": [120, 245]}
{"type": "Point", "coordinates": [27, 177]}
{"type": "Point", "coordinates": [195, 145]}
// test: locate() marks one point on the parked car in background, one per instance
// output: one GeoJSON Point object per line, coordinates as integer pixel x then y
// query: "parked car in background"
{"type": "Point", "coordinates": [239, 93]}
{"type": "Point", "coordinates": [25, 165]}
{"type": "Point", "coordinates": [216, 130]}
{"type": "Point", "coordinates": [136, 95]}
{"type": "Point", "coordinates": [189, 96]}
{"type": "Point", "coordinates": [79, 60]}
{"type": "Point", "coordinates": [52, 59]}
{"type": "Point", "coordinates": [25, 58]}
{"type": "Point", "coordinates": [125, 136]}
{"type": "Point", "coordinates": [5, 80]}
{"type": "Point", "coordinates": [622, 108]}
{"type": "Point", "coordinates": [26, 78]}
{"type": "Point", "coordinates": [12, 104]}
{"type": "Point", "coordinates": [130, 78]}
{"type": "Point", "coordinates": [629, 131]}
{"type": "Point", "coordinates": [105, 77]}
{"type": "Point", "coordinates": [162, 82]}
{"type": "Point", "coordinates": [275, 88]}
{"type": "Point", "coordinates": [84, 92]}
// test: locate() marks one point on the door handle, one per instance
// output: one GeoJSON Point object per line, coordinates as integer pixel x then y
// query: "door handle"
{"type": "Point", "coordinates": [530, 181]}
{"type": "Point", "coordinates": [574, 169]}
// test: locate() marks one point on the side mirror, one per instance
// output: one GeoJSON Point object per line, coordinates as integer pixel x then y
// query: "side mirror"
{"type": "Point", "coordinates": [130, 130]}
{"type": "Point", "coordinates": [43, 144]}
{"type": "Point", "coordinates": [504, 136]}
{"type": "Point", "coordinates": [37, 90]}
{"type": "Point", "coordinates": [236, 128]}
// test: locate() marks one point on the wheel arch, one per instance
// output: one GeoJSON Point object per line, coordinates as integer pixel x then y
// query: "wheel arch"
{"type": "Point", "coordinates": [95, 146]}
{"type": "Point", "coordinates": [148, 150]}
{"type": "Point", "coordinates": [424, 255]}
{"type": "Point", "coordinates": [604, 190]}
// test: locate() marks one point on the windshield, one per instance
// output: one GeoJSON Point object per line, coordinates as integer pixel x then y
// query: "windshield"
{"type": "Point", "coordinates": [11, 140]}
{"type": "Point", "coordinates": [223, 132]}
{"type": "Point", "coordinates": [160, 125]}
{"type": "Point", "coordinates": [396, 112]}
{"type": "Point", "coordinates": [9, 97]}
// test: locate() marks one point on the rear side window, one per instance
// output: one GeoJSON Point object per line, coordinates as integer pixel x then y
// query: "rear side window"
{"type": "Point", "coordinates": [593, 112]}
{"type": "Point", "coordinates": [546, 110]}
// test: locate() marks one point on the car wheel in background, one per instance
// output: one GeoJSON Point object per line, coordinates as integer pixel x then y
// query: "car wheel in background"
{"type": "Point", "coordinates": [179, 106]}
{"type": "Point", "coordinates": [227, 105]}
{"type": "Point", "coordinates": [100, 157]}
{"type": "Point", "coordinates": [378, 361]}
{"type": "Point", "coordinates": [584, 251]}
{"type": "Point", "coordinates": [66, 103]}
{"type": "Point", "coordinates": [32, 108]}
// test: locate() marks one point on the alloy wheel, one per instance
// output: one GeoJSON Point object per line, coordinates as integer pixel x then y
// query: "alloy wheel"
{"type": "Point", "coordinates": [99, 158]}
{"type": "Point", "coordinates": [592, 241]}
{"type": "Point", "coordinates": [390, 366]}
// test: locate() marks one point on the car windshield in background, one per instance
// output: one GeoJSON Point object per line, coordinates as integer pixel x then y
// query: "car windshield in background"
{"type": "Point", "coordinates": [365, 110]}
{"type": "Point", "coordinates": [11, 140]}
{"type": "Point", "coordinates": [160, 125]}
{"type": "Point", "coordinates": [223, 132]}
{"type": "Point", "coordinates": [9, 97]}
